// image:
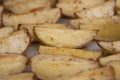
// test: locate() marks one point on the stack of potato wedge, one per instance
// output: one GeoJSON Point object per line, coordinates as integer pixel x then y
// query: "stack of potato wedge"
{"type": "Point", "coordinates": [62, 52]}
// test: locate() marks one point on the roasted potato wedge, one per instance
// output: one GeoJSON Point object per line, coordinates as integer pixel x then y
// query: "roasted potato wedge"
{"type": "Point", "coordinates": [96, 21]}
{"type": "Point", "coordinates": [30, 27]}
{"type": "Point", "coordinates": [59, 37]}
{"type": "Point", "coordinates": [116, 66]}
{"type": "Point", "coordinates": [12, 63]}
{"type": "Point", "coordinates": [35, 17]}
{"type": "Point", "coordinates": [90, 55]}
{"type": "Point", "coordinates": [103, 61]}
{"type": "Point", "coordinates": [78, 5]}
{"type": "Point", "coordinates": [20, 76]}
{"type": "Point", "coordinates": [6, 31]}
{"type": "Point", "coordinates": [105, 9]}
{"type": "Point", "coordinates": [49, 67]}
{"type": "Point", "coordinates": [26, 6]}
{"type": "Point", "coordinates": [106, 73]}
{"type": "Point", "coordinates": [112, 47]}
{"type": "Point", "coordinates": [16, 43]}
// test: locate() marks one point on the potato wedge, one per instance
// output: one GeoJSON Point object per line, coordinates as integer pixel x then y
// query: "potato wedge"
{"type": "Point", "coordinates": [64, 37]}
{"type": "Point", "coordinates": [96, 21]}
{"type": "Point", "coordinates": [78, 5]}
{"type": "Point", "coordinates": [20, 76]}
{"type": "Point", "coordinates": [103, 10]}
{"type": "Point", "coordinates": [26, 6]}
{"type": "Point", "coordinates": [103, 61]}
{"type": "Point", "coordinates": [112, 47]}
{"type": "Point", "coordinates": [90, 55]}
{"type": "Point", "coordinates": [16, 43]}
{"type": "Point", "coordinates": [35, 17]}
{"type": "Point", "coordinates": [12, 63]}
{"type": "Point", "coordinates": [116, 66]}
{"type": "Point", "coordinates": [49, 67]}
{"type": "Point", "coordinates": [6, 31]}
{"type": "Point", "coordinates": [30, 27]}
{"type": "Point", "coordinates": [106, 73]}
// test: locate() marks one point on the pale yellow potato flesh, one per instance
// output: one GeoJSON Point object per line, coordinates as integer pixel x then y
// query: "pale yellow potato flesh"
{"type": "Point", "coordinates": [104, 60]}
{"type": "Point", "coordinates": [105, 73]}
{"type": "Point", "coordinates": [90, 55]}
{"type": "Point", "coordinates": [64, 37]}
{"type": "Point", "coordinates": [11, 64]}
{"type": "Point", "coordinates": [16, 43]}
{"type": "Point", "coordinates": [49, 67]}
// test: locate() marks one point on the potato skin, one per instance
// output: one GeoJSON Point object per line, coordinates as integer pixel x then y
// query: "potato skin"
{"type": "Point", "coordinates": [12, 63]}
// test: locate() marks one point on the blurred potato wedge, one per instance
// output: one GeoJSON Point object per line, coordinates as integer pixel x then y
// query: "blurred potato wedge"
{"type": "Point", "coordinates": [95, 21]}
{"type": "Point", "coordinates": [16, 43]}
{"type": "Point", "coordinates": [116, 67]}
{"type": "Point", "coordinates": [26, 6]}
{"type": "Point", "coordinates": [11, 64]}
{"type": "Point", "coordinates": [6, 31]}
{"type": "Point", "coordinates": [90, 55]}
{"type": "Point", "coordinates": [30, 27]}
{"type": "Point", "coordinates": [106, 73]}
{"type": "Point", "coordinates": [20, 76]}
{"type": "Point", "coordinates": [68, 38]}
{"type": "Point", "coordinates": [49, 67]}
{"type": "Point", "coordinates": [35, 17]}
{"type": "Point", "coordinates": [118, 4]}
{"type": "Point", "coordinates": [105, 9]}
{"type": "Point", "coordinates": [112, 47]}
{"type": "Point", "coordinates": [104, 60]}
{"type": "Point", "coordinates": [69, 8]}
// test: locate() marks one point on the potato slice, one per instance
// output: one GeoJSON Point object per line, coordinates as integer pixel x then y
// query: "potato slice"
{"type": "Point", "coordinates": [6, 31]}
{"type": "Point", "coordinates": [90, 55]}
{"type": "Point", "coordinates": [12, 63]}
{"type": "Point", "coordinates": [30, 27]}
{"type": "Point", "coordinates": [96, 21]}
{"type": "Point", "coordinates": [103, 61]}
{"type": "Point", "coordinates": [103, 10]}
{"type": "Point", "coordinates": [64, 37]}
{"type": "Point", "coordinates": [20, 76]}
{"type": "Point", "coordinates": [116, 66]}
{"type": "Point", "coordinates": [26, 6]}
{"type": "Point", "coordinates": [16, 43]}
{"type": "Point", "coordinates": [36, 17]}
{"type": "Point", "coordinates": [106, 73]}
{"type": "Point", "coordinates": [112, 47]}
{"type": "Point", "coordinates": [49, 67]}
{"type": "Point", "coordinates": [78, 5]}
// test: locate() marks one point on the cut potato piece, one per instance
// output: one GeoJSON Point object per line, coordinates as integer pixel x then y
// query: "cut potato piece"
{"type": "Point", "coordinates": [12, 63]}
{"type": "Point", "coordinates": [106, 32]}
{"type": "Point", "coordinates": [36, 17]}
{"type": "Point", "coordinates": [1, 10]}
{"type": "Point", "coordinates": [96, 21]}
{"type": "Point", "coordinates": [74, 6]}
{"type": "Point", "coordinates": [49, 67]}
{"type": "Point", "coordinates": [6, 31]}
{"type": "Point", "coordinates": [91, 55]}
{"type": "Point", "coordinates": [20, 76]}
{"type": "Point", "coordinates": [26, 6]}
{"type": "Point", "coordinates": [103, 61]}
{"type": "Point", "coordinates": [30, 27]}
{"type": "Point", "coordinates": [103, 10]}
{"type": "Point", "coordinates": [64, 37]}
{"type": "Point", "coordinates": [106, 73]}
{"type": "Point", "coordinates": [16, 43]}
{"type": "Point", "coordinates": [112, 47]}
{"type": "Point", "coordinates": [116, 66]}
{"type": "Point", "coordinates": [118, 4]}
